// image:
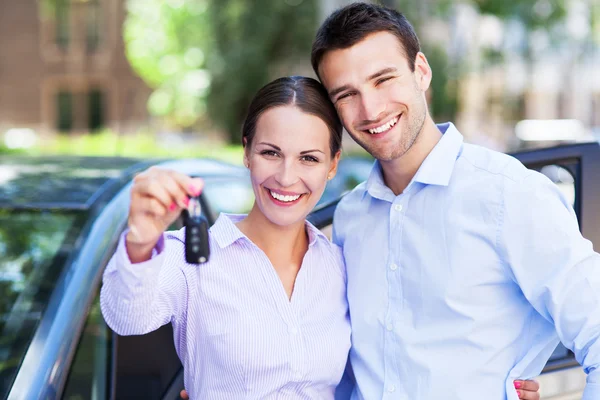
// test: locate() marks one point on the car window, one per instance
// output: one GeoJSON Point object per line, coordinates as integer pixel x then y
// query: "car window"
{"type": "Point", "coordinates": [229, 195]}
{"type": "Point", "coordinates": [90, 370]}
{"type": "Point", "coordinates": [34, 246]}
{"type": "Point", "coordinates": [563, 179]}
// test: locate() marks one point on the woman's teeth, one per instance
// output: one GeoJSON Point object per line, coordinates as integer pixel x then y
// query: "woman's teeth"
{"type": "Point", "coordinates": [385, 127]}
{"type": "Point", "coordinates": [284, 198]}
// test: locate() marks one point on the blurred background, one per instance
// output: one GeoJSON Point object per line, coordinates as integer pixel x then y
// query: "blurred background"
{"type": "Point", "coordinates": [174, 77]}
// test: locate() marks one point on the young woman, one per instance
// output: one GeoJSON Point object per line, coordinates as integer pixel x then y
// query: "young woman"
{"type": "Point", "coordinates": [266, 317]}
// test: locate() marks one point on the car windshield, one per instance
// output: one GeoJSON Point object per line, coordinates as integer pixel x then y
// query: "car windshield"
{"type": "Point", "coordinates": [34, 246]}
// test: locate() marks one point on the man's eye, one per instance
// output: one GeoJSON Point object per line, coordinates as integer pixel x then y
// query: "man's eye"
{"type": "Point", "coordinates": [380, 81]}
{"type": "Point", "coordinates": [345, 96]}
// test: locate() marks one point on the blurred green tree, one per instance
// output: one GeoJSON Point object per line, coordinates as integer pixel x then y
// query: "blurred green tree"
{"type": "Point", "coordinates": [205, 59]}
{"type": "Point", "coordinates": [256, 41]}
{"type": "Point", "coordinates": [167, 43]}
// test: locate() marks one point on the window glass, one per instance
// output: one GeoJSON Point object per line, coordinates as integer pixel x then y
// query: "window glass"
{"type": "Point", "coordinates": [93, 19]}
{"type": "Point", "coordinates": [229, 195]}
{"type": "Point", "coordinates": [34, 246]}
{"type": "Point", "coordinates": [63, 23]}
{"type": "Point", "coordinates": [90, 370]}
{"type": "Point", "coordinates": [563, 179]}
{"type": "Point", "coordinates": [64, 110]}
{"type": "Point", "coordinates": [95, 109]}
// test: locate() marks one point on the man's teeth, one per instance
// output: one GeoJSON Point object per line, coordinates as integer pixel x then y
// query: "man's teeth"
{"type": "Point", "coordinates": [385, 127]}
{"type": "Point", "coordinates": [282, 197]}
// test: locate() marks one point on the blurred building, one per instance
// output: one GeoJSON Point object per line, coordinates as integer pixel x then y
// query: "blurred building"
{"type": "Point", "coordinates": [557, 80]}
{"type": "Point", "coordinates": [63, 67]}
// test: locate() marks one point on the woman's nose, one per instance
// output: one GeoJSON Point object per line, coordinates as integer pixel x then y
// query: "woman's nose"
{"type": "Point", "coordinates": [287, 174]}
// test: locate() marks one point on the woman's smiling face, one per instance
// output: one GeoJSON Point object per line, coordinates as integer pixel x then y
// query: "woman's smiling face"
{"type": "Point", "coordinates": [290, 161]}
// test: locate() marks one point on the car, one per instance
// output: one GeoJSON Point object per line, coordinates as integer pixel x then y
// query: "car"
{"type": "Point", "coordinates": [60, 221]}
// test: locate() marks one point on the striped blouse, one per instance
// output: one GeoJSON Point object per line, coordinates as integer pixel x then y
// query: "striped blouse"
{"type": "Point", "coordinates": [237, 333]}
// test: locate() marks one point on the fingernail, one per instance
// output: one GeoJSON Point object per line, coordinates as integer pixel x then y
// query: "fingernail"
{"type": "Point", "coordinates": [186, 201]}
{"type": "Point", "coordinates": [172, 207]}
{"type": "Point", "coordinates": [519, 393]}
{"type": "Point", "coordinates": [517, 384]}
{"type": "Point", "coordinates": [195, 191]}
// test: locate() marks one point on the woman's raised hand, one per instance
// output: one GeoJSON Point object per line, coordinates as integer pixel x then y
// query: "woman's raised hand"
{"type": "Point", "coordinates": [157, 198]}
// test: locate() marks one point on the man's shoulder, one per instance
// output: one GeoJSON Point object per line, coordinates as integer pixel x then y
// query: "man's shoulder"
{"type": "Point", "coordinates": [499, 166]}
{"type": "Point", "coordinates": [353, 199]}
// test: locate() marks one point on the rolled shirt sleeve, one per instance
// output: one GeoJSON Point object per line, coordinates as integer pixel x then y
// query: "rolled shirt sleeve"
{"type": "Point", "coordinates": [139, 298]}
{"type": "Point", "coordinates": [555, 267]}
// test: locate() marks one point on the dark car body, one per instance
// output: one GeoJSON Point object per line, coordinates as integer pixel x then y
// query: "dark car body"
{"type": "Point", "coordinates": [55, 343]}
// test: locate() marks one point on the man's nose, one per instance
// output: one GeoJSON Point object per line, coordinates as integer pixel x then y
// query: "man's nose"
{"type": "Point", "coordinates": [287, 174]}
{"type": "Point", "coordinates": [372, 106]}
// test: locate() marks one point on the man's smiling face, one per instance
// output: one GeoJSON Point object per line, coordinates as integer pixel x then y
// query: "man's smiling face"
{"type": "Point", "coordinates": [379, 99]}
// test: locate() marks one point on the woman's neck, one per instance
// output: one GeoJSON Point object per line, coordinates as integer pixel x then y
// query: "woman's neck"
{"type": "Point", "coordinates": [277, 242]}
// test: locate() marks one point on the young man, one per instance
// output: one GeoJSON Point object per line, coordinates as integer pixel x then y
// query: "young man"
{"type": "Point", "coordinates": [464, 267]}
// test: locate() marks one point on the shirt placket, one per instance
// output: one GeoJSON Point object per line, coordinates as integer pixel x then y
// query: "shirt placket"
{"type": "Point", "coordinates": [287, 311]}
{"type": "Point", "coordinates": [392, 388]}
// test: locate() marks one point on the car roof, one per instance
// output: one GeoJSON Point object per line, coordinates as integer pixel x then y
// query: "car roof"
{"type": "Point", "coordinates": [70, 182]}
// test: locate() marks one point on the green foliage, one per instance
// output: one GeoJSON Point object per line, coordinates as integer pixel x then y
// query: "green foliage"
{"type": "Point", "coordinates": [217, 51]}
{"type": "Point", "coordinates": [166, 44]}
{"type": "Point", "coordinates": [252, 37]}
{"type": "Point", "coordinates": [535, 14]}
{"type": "Point", "coordinates": [139, 145]}
{"type": "Point", "coordinates": [6, 150]}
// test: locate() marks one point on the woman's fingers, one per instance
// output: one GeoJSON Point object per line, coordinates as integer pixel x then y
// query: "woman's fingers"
{"type": "Point", "coordinates": [167, 186]}
{"type": "Point", "coordinates": [527, 390]}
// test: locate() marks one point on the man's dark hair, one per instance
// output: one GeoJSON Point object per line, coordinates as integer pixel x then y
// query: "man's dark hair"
{"type": "Point", "coordinates": [305, 93]}
{"type": "Point", "coordinates": [351, 24]}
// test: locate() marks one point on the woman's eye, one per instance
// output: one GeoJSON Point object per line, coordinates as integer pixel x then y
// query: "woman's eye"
{"type": "Point", "coordinates": [269, 153]}
{"type": "Point", "coordinates": [309, 159]}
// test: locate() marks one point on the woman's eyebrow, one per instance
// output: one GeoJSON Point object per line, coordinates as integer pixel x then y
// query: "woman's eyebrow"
{"type": "Point", "coordinates": [272, 145]}
{"type": "Point", "coordinates": [311, 151]}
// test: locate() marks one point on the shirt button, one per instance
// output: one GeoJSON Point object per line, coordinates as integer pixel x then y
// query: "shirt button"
{"type": "Point", "coordinates": [398, 207]}
{"type": "Point", "coordinates": [393, 267]}
{"type": "Point", "coordinates": [391, 388]}
{"type": "Point", "coordinates": [389, 327]}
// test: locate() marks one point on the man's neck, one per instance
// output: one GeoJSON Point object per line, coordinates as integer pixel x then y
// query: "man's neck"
{"type": "Point", "coordinates": [398, 173]}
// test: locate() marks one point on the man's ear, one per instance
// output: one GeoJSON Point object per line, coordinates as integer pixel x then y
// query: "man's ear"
{"type": "Point", "coordinates": [423, 72]}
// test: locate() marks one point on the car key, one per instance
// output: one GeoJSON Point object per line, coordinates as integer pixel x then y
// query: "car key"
{"type": "Point", "coordinates": [196, 233]}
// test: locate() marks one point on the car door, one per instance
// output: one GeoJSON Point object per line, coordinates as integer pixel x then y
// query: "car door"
{"type": "Point", "coordinates": [573, 168]}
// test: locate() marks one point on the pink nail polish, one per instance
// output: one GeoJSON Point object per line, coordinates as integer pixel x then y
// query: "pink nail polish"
{"type": "Point", "coordinates": [517, 385]}
{"type": "Point", "coordinates": [186, 201]}
{"type": "Point", "coordinates": [519, 393]}
{"type": "Point", "coordinates": [172, 207]}
{"type": "Point", "coordinates": [194, 190]}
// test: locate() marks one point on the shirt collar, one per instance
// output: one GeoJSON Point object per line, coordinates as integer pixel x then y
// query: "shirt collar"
{"type": "Point", "coordinates": [438, 166]}
{"type": "Point", "coordinates": [436, 169]}
{"type": "Point", "coordinates": [225, 232]}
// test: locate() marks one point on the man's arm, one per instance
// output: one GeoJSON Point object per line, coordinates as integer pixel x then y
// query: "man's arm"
{"type": "Point", "coordinates": [555, 267]}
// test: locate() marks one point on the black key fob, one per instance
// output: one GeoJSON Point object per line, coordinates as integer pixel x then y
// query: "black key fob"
{"type": "Point", "coordinates": [196, 233]}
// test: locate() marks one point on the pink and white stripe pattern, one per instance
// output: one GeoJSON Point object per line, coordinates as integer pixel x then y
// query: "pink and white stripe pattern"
{"type": "Point", "coordinates": [236, 332]}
